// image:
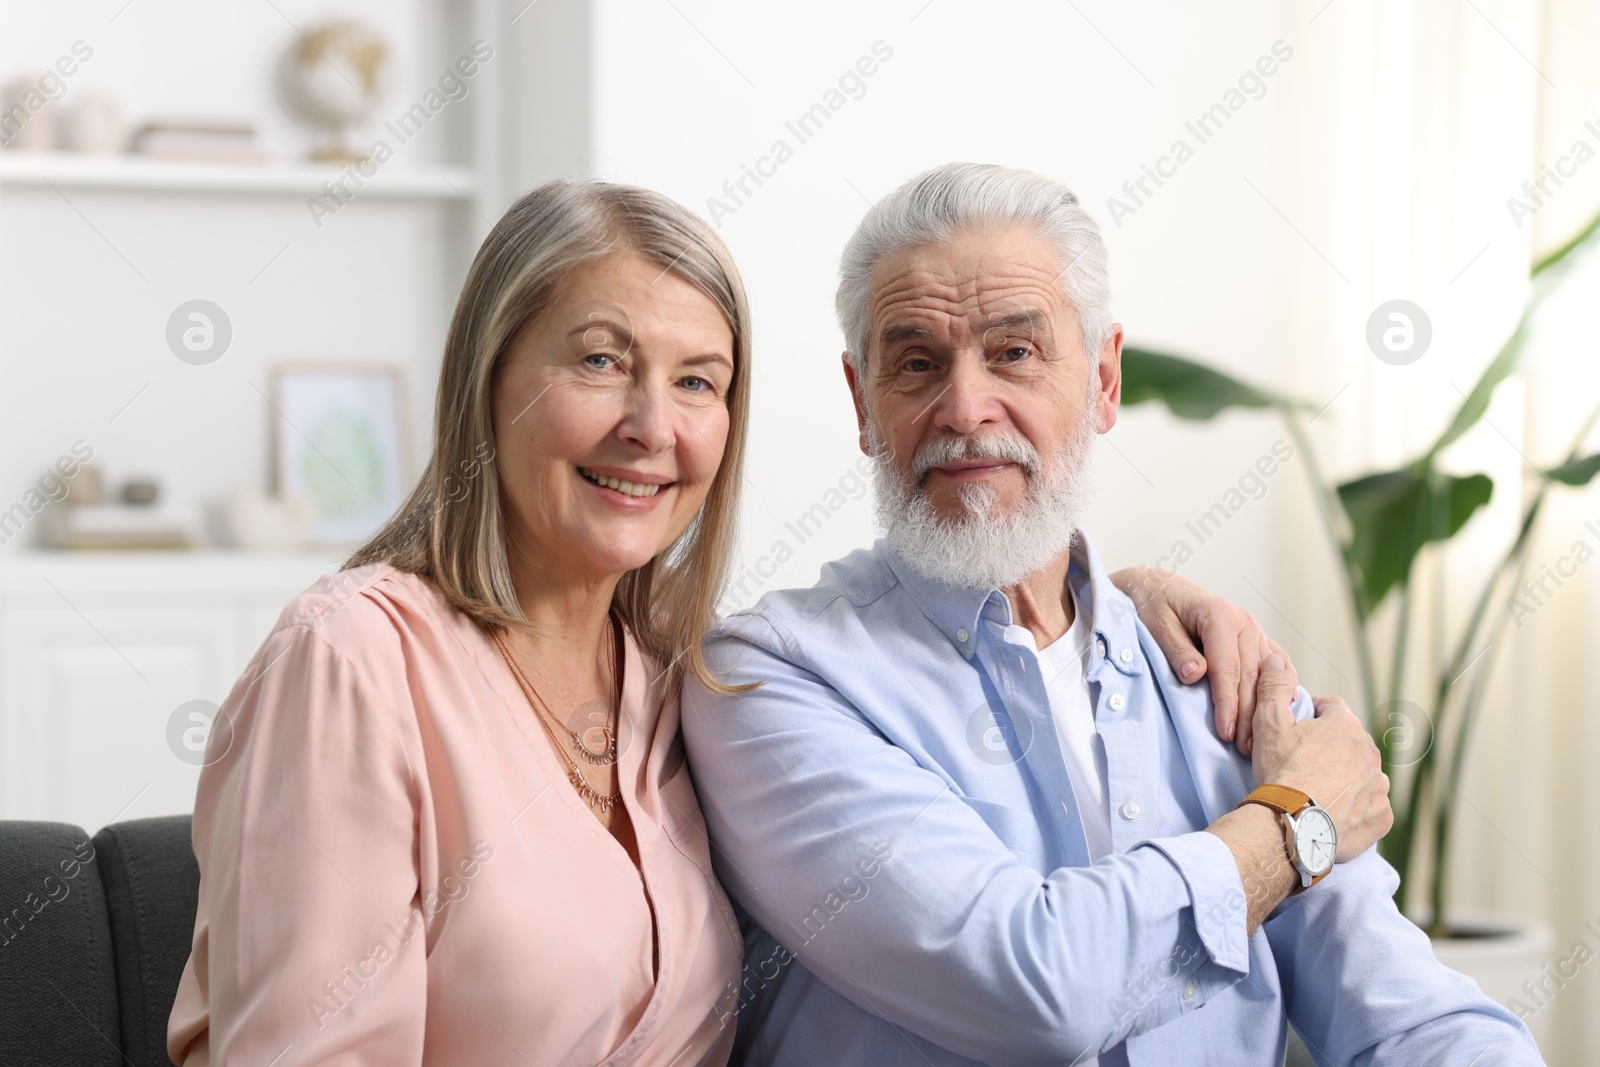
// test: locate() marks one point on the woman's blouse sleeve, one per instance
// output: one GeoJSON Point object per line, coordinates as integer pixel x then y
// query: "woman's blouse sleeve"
{"type": "Point", "coordinates": [309, 945]}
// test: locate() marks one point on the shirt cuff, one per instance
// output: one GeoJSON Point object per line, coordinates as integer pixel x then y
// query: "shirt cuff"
{"type": "Point", "coordinates": [1216, 895]}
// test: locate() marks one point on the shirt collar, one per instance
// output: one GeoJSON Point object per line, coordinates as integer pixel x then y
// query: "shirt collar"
{"type": "Point", "coordinates": [954, 611]}
{"type": "Point", "coordinates": [957, 612]}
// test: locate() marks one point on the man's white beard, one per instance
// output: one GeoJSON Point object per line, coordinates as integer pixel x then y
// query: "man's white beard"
{"type": "Point", "coordinates": [980, 549]}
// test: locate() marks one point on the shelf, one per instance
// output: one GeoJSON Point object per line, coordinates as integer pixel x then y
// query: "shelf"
{"type": "Point", "coordinates": [132, 174]}
{"type": "Point", "coordinates": [33, 576]}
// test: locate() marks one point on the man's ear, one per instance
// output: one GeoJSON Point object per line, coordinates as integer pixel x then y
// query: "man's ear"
{"type": "Point", "coordinates": [1108, 391]}
{"type": "Point", "coordinates": [858, 400]}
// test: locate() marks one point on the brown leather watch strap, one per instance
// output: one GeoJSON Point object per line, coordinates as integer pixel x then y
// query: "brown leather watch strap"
{"type": "Point", "coordinates": [1286, 800]}
{"type": "Point", "coordinates": [1282, 798]}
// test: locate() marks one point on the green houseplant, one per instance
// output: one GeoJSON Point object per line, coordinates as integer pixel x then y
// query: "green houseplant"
{"type": "Point", "coordinates": [1379, 525]}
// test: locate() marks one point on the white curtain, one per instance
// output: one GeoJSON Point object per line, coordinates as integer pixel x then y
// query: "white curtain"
{"type": "Point", "coordinates": [1419, 122]}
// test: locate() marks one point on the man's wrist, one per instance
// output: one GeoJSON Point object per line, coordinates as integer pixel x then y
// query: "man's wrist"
{"type": "Point", "coordinates": [1255, 836]}
{"type": "Point", "coordinates": [1274, 871]}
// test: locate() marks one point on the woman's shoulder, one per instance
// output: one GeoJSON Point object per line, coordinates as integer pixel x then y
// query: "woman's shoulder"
{"type": "Point", "coordinates": [364, 611]}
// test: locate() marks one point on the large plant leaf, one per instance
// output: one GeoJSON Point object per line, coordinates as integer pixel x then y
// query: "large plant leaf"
{"type": "Point", "coordinates": [1578, 239]}
{"type": "Point", "coordinates": [1510, 355]}
{"type": "Point", "coordinates": [1190, 390]}
{"type": "Point", "coordinates": [1393, 514]}
{"type": "Point", "coordinates": [1477, 402]}
{"type": "Point", "coordinates": [1576, 471]}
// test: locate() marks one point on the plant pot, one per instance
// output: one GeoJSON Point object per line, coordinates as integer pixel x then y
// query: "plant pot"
{"type": "Point", "coordinates": [1508, 956]}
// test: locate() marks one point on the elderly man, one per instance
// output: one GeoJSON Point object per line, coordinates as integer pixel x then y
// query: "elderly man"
{"type": "Point", "coordinates": [969, 813]}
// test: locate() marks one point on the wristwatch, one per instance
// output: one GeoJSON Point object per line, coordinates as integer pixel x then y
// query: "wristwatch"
{"type": "Point", "coordinates": [1308, 829]}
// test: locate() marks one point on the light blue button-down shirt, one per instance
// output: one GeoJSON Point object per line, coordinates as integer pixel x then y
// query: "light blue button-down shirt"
{"type": "Point", "coordinates": [892, 814]}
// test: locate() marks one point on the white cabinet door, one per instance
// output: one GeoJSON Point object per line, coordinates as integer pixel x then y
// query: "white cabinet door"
{"type": "Point", "coordinates": [89, 695]}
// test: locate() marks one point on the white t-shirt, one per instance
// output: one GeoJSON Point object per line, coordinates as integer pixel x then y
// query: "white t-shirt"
{"type": "Point", "coordinates": [1065, 663]}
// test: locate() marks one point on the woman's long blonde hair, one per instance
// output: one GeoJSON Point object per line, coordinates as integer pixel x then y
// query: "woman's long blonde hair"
{"type": "Point", "coordinates": [451, 529]}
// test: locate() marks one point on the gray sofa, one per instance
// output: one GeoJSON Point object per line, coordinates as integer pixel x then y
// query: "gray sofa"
{"type": "Point", "coordinates": [94, 934]}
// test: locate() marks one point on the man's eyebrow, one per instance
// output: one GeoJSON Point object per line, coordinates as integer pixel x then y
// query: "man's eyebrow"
{"type": "Point", "coordinates": [1031, 317]}
{"type": "Point", "coordinates": [906, 331]}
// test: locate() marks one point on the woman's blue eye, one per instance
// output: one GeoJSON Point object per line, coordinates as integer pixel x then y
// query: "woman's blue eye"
{"type": "Point", "coordinates": [607, 360]}
{"type": "Point", "coordinates": [696, 385]}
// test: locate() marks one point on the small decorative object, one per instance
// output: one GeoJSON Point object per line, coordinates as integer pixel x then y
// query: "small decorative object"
{"type": "Point", "coordinates": [88, 487]}
{"type": "Point", "coordinates": [199, 140]}
{"type": "Point", "coordinates": [93, 123]}
{"type": "Point", "coordinates": [254, 520]}
{"type": "Point", "coordinates": [27, 115]}
{"type": "Point", "coordinates": [140, 492]}
{"type": "Point", "coordinates": [339, 437]}
{"type": "Point", "coordinates": [333, 76]}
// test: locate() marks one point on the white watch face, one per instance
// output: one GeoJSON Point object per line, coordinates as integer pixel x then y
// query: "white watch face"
{"type": "Point", "coordinates": [1315, 840]}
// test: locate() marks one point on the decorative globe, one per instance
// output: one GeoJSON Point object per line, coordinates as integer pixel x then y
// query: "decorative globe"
{"type": "Point", "coordinates": [334, 76]}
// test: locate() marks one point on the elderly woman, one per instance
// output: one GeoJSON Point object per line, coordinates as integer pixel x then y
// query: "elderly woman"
{"type": "Point", "coordinates": [446, 816]}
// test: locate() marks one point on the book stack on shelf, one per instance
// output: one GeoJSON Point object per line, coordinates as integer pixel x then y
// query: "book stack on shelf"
{"type": "Point", "coordinates": [200, 141]}
{"type": "Point", "coordinates": [88, 517]}
{"type": "Point", "coordinates": [120, 526]}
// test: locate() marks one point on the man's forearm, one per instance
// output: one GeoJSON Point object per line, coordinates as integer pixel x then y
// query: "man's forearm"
{"type": "Point", "coordinates": [1254, 835]}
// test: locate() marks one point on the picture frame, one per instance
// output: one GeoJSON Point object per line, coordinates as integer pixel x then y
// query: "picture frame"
{"type": "Point", "coordinates": [340, 437]}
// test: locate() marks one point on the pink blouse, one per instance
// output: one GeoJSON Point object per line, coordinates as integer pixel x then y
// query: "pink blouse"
{"type": "Point", "coordinates": [396, 870]}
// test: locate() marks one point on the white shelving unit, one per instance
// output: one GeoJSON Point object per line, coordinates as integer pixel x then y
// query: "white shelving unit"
{"type": "Point", "coordinates": [97, 649]}
{"type": "Point", "coordinates": [134, 174]}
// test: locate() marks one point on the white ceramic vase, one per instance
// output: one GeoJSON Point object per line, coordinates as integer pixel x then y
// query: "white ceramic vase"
{"type": "Point", "coordinates": [1507, 955]}
{"type": "Point", "coordinates": [254, 520]}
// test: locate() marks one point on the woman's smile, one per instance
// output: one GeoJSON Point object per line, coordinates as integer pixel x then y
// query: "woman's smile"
{"type": "Point", "coordinates": [629, 491]}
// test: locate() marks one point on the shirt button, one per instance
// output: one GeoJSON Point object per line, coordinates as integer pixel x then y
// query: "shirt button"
{"type": "Point", "coordinates": [1126, 655]}
{"type": "Point", "coordinates": [1117, 702]}
{"type": "Point", "coordinates": [1100, 646]}
{"type": "Point", "coordinates": [962, 635]}
{"type": "Point", "coordinates": [1130, 810]}
{"type": "Point", "coordinates": [1188, 992]}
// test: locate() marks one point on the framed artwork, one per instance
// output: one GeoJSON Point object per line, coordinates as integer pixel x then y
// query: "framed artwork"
{"type": "Point", "coordinates": [340, 438]}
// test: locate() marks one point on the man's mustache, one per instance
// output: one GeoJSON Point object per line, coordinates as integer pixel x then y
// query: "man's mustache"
{"type": "Point", "coordinates": [951, 448]}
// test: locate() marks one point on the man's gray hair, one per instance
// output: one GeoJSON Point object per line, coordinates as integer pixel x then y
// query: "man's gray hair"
{"type": "Point", "coordinates": [941, 203]}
